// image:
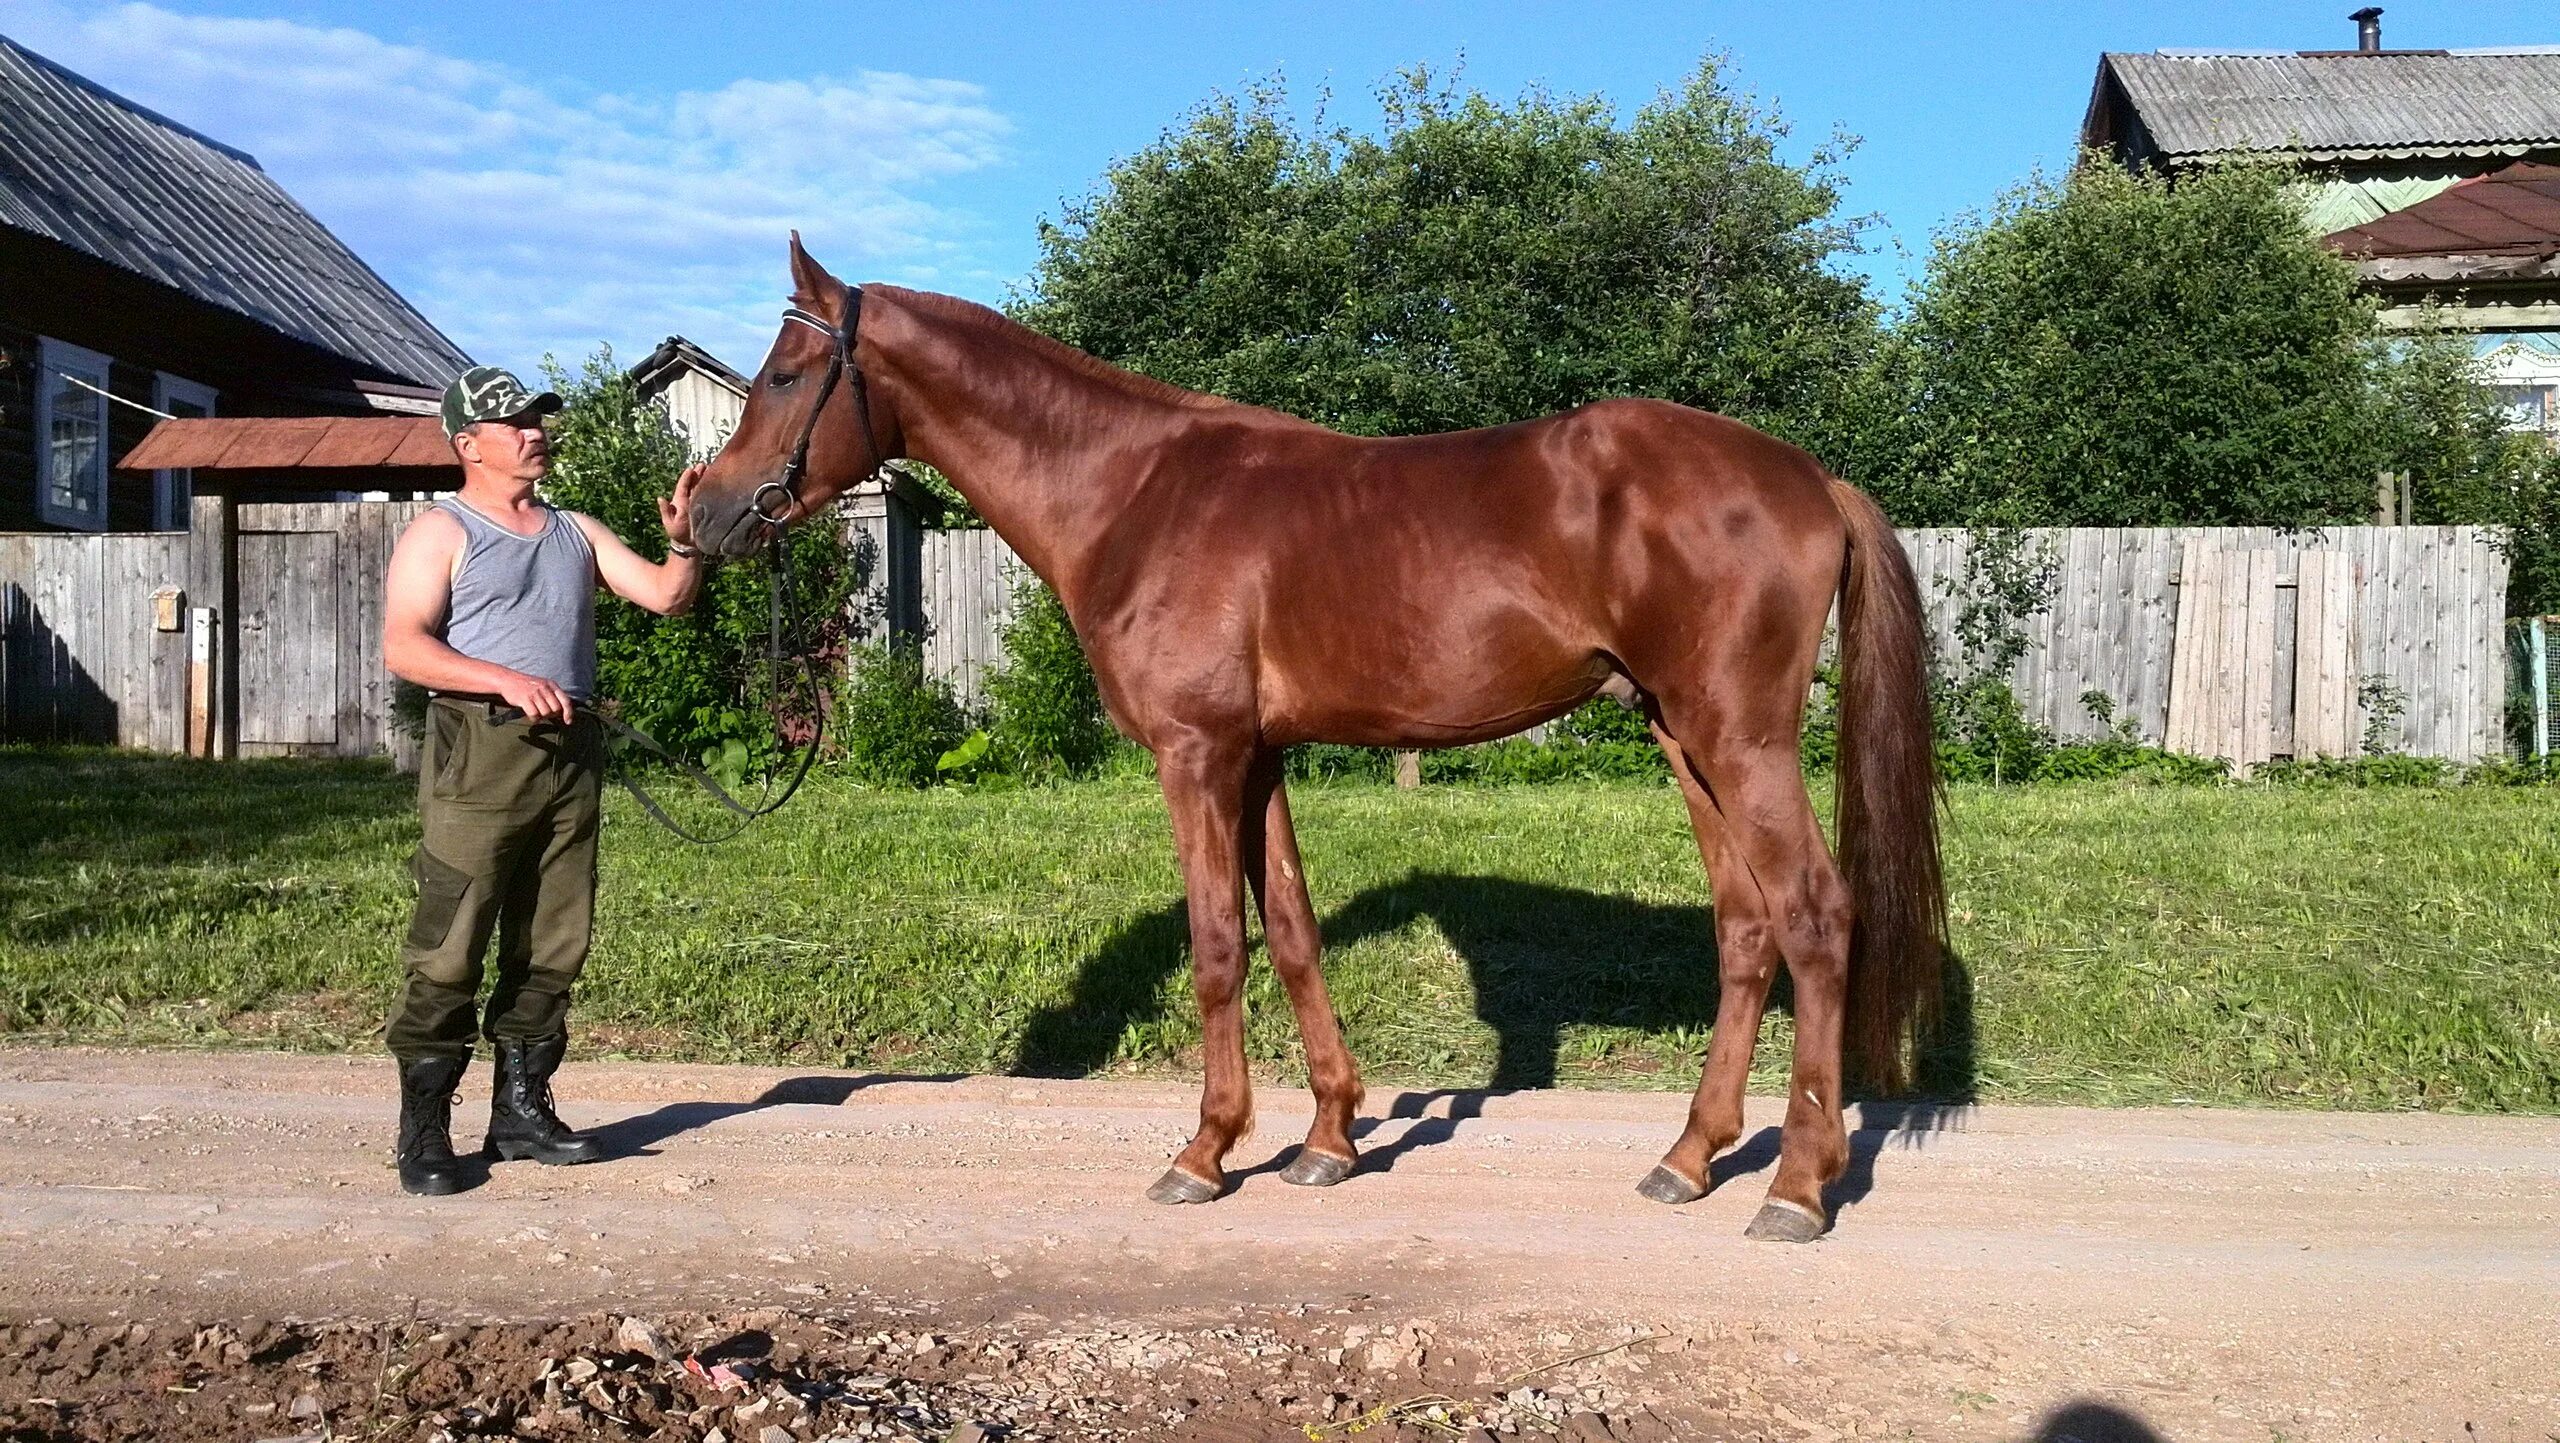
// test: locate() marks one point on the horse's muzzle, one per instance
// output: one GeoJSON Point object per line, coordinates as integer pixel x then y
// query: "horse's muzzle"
{"type": "Point", "coordinates": [727, 531]}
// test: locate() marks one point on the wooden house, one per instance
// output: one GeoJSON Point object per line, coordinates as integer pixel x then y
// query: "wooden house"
{"type": "Point", "coordinates": [2436, 171]}
{"type": "Point", "coordinates": [147, 270]}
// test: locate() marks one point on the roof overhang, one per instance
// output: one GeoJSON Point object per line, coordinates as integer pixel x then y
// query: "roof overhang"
{"type": "Point", "coordinates": [293, 443]}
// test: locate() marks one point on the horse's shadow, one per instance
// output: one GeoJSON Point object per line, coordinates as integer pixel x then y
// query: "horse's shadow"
{"type": "Point", "coordinates": [1543, 961]}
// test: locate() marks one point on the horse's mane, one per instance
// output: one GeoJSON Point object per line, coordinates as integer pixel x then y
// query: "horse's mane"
{"type": "Point", "coordinates": [984, 318]}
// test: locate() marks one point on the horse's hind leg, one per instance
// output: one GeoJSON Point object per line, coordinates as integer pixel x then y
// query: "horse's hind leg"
{"type": "Point", "coordinates": [1279, 883]}
{"type": "Point", "coordinates": [1747, 960]}
{"type": "Point", "coordinates": [1752, 777]}
{"type": "Point", "coordinates": [1204, 779]}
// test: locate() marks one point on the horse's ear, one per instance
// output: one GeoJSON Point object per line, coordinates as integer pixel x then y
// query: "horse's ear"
{"type": "Point", "coordinates": [809, 280]}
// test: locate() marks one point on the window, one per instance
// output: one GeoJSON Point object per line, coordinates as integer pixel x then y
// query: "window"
{"type": "Point", "coordinates": [71, 437]}
{"type": "Point", "coordinates": [173, 492]}
{"type": "Point", "coordinates": [2529, 407]}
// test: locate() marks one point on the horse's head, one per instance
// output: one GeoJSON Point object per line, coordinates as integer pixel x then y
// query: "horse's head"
{"type": "Point", "coordinates": [807, 434]}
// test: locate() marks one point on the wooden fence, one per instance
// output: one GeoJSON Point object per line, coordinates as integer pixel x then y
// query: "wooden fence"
{"type": "Point", "coordinates": [83, 656]}
{"type": "Point", "coordinates": [2408, 612]}
{"type": "Point", "coordinates": [2238, 642]}
{"type": "Point", "coordinates": [2212, 661]}
{"type": "Point", "coordinates": [258, 633]}
{"type": "Point", "coordinates": [965, 584]}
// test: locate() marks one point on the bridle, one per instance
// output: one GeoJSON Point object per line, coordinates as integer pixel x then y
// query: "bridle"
{"type": "Point", "coordinates": [840, 367]}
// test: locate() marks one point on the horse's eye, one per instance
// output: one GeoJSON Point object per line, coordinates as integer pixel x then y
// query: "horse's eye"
{"type": "Point", "coordinates": [781, 380]}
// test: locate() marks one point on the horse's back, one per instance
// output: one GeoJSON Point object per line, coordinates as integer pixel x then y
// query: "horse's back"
{"type": "Point", "coordinates": [1464, 585]}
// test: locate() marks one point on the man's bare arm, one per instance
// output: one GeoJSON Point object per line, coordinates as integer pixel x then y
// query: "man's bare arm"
{"type": "Point", "coordinates": [416, 589]}
{"type": "Point", "coordinates": [667, 588]}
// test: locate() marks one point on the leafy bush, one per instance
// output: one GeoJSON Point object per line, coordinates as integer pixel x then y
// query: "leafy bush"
{"type": "Point", "coordinates": [2515, 772]}
{"type": "Point", "coordinates": [1516, 760]}
{"type": "Point", "coordinates": [893, 721]}
{"type": "Point", "coordinates": [1602, 719]}
{"type": "Point", "coordinates": [698, 681]}
{"type": "Point", "coordinates": [1818, 748]}
{"type": "Point", "coordinates": [1985, 736]}
{"type": "Point", "coordinates": [1046, 714]}
{"type": "Point", "coordinates": [1330, 762]}
{"type": "Point", "coordinates": [2364, 771]}
{"type": "Point", "coordinates": [2106, 349]}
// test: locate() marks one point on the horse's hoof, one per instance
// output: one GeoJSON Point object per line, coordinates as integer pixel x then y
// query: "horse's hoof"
{"type": "Point", "coordinates": [1311, 1168]}
{"type": "Point", "coordinates": [1665, 1186]}
{"type": "Point", "coordinates": [1784, 1222]}
{"type": "Point", "coordinates": [1177, 1186]}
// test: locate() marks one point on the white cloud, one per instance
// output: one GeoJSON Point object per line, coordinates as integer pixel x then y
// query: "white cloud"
{"type": "Point", "coordinates": [523, 218]}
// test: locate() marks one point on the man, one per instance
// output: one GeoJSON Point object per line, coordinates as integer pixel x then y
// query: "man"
{"type": "Point", "coordinates": [490, 605]}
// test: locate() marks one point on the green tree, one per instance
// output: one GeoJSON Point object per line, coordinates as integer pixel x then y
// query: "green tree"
{"type": "Point", "coordinates": [2109, 349]}
{"type": "Point", "coordinates": [2112, 350]}
{"type": "Point", "coordinates": [1475, 262]}
{"type": "Point", "coordinates": [699, 680]}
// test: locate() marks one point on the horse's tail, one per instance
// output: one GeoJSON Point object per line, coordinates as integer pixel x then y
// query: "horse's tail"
{"type": "Point", "coordinates": [1887, 802]}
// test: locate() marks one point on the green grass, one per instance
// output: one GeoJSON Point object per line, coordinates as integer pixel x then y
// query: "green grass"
{"type": "Point", "coordinates": [2237, 944]}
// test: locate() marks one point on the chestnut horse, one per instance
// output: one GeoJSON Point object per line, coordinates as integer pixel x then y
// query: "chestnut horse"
{"type": "Point", "coordinates": [1244, 580]}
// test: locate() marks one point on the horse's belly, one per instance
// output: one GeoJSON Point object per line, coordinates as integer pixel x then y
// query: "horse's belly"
{"type": "Point", "coordinates": [1425, 696]}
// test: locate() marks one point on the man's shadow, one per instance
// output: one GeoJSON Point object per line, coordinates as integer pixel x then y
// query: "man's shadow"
{"type": "Point", "coordinates": [1543, 960]}
{"type": "Point", "coordinates": [638, 1136]}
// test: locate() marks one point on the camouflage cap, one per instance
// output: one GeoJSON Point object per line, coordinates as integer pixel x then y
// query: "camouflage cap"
{"type": "Point", "coordinates": [487, 393]}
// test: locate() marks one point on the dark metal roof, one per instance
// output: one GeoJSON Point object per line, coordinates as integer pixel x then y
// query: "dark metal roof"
{"type": "Point", "coordinates": [85, 167]}
{"type": "Point", "coordinates": [2339, 105]}
{"type": "Point", "coordinates": [2515, 211]}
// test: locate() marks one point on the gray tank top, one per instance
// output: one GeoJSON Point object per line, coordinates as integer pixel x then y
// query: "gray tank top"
{"type": "Point", "coordinates": [527, 603]}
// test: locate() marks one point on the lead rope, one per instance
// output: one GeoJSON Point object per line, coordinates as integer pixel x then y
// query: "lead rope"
{"type": "Point", "coordinates": [775, 661]}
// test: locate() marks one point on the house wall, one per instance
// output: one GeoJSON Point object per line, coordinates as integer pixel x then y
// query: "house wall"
{"type": "Point", "coordinates": [144, 328]}
{"type": "Point", "coordinates": [704, 409]}
{"type": "Point", "coordinates": [17, 428]}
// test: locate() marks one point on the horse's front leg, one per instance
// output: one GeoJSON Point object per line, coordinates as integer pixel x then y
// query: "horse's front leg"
{"type": "Point", "coordinates": [1204, 786]}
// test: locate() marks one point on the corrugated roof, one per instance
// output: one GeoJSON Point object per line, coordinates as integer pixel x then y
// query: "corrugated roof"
{"type": "Point", "coordinates": [2514, 211]}
{"type": "Point", "coordinates": [2346, 105]}
{"type": "Point", "coordinates": [264, 443]}
{"type": "Point", "coordinates": [81, 165]}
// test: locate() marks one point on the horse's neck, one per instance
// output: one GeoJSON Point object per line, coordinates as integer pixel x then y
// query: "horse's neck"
{"type": "Point", "coordinates": [1046, 451]}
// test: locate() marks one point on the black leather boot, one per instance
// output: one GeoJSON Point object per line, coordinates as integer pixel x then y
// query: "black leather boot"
{"type": "Point", "coordinates": [521, 1122]}
{"type": "Point", "coordinates": [425, 1150]}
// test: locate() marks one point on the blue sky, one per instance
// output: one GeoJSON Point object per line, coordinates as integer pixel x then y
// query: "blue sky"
{"type": "Point", "coordinates": [543, 175]}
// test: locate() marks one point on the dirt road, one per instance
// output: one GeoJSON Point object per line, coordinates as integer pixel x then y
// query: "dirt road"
{"type": "Point", "coordinates": [1998, 1272]}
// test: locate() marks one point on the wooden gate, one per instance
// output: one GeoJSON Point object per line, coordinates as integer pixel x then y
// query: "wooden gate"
{"type": "Point", "coordinates": [289, 623]}
{"type": "Point", "coordinates": [307, 596]}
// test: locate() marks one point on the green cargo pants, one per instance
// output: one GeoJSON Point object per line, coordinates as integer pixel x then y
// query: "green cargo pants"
{"type": "Point", "coordinates": [509, 811]}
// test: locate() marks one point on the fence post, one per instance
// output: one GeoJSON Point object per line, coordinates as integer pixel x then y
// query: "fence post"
{"type": "Point", "coordinates": [2541, 661]}
{"type": "Point", "coordinates": [883, 521]}
{"type": "Point", "coordinates": [212, 581]}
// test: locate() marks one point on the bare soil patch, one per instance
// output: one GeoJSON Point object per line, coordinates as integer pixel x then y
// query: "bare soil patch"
{"type": "Point", "coordinates": [773, 1376]}
{"type": "Point", "coordinates": [192, 1244]}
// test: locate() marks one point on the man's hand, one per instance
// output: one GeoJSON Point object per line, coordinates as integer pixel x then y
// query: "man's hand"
{"type": "Point", "coordinates": [675, 513]}
{"type": "Point", "coordinates": [539, 700]}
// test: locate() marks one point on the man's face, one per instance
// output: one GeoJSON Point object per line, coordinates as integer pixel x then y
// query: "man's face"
{"type": "Point", "coordinates": [514, 449]}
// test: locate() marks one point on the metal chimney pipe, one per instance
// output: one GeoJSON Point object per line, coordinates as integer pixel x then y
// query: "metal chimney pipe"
{"type": "Point", "coordinates": [2368, 29]}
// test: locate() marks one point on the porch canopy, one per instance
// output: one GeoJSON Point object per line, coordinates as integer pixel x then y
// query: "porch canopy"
{"type": "Point", "coordinates": [293, 443]}
{"type": "Point", "coordinates": [2503, 226]}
